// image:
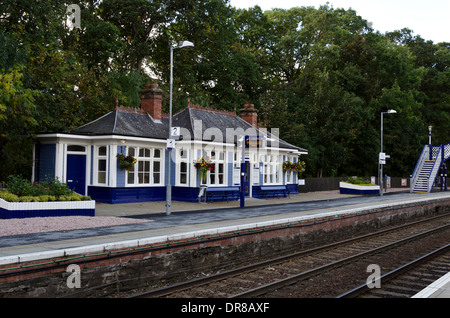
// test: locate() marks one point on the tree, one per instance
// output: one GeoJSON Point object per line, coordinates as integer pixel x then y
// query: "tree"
{"type": "Point", "coordinates": [138, 22]}
{"type": "Point", "coordinates": [320, 75]}
{"type": "Point", "coordinates": [17, 111]}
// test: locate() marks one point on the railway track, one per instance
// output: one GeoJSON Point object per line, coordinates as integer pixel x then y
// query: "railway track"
{"type": "Point", "coordinates": [326, 271]}
{"type": "Point", "coordinates": [406, 280]}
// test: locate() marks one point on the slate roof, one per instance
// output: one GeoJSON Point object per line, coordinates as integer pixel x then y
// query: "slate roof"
{"type": "Point", "coordinates": [126, 122]}
{"type": "Point", "coordinates": [218, 121]}
{"type": "Point", "coordinates": [137, 123]}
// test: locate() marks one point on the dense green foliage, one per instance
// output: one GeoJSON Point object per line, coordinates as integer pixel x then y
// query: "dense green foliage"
{"type": "Point", "coordinates": [22, 190]}
{"type": "Point", "coordinates": [322, 76]}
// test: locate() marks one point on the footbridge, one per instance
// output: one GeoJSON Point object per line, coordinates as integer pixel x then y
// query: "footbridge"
{"type": "Point", "coordinates": [431, 161]}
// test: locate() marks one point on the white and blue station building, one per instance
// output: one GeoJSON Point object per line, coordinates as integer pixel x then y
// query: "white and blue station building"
{"type": "Point", "coordinates": [86, 157]}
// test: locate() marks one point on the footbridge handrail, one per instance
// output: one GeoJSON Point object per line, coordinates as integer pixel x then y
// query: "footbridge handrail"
{"type": "Point", "coordinates": [446, 151]}
{"type": "Point", "coordinates": [423, 156]}
{"type": "Point", "coordinates": [427, 167]}
{"type": "Point", "coordinates": [434, 171]}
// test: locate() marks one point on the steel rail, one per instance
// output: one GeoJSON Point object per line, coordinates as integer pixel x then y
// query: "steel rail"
{"type": "Point", "coordinates": [396, 272]}
{"type": "Point", "coordinates": [316, 271]}
{"type": "Point", "coordinates": [164, 291]}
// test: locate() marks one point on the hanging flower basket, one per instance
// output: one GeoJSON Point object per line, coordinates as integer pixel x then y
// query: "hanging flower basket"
{"type": "Point", "coordinates": [203, 165]}
{"type": "Point", "coordinates": [288, 166]}
{"type": "Point", "coordinates": [298, 167]}
{"type": "Point", "coordinates": [126, 162]}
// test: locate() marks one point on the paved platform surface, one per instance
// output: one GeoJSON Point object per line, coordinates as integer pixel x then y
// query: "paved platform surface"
{"type": "Point", "coordinates": [192, 219]}
{"type": "Point", "coordinates": [437, 289]}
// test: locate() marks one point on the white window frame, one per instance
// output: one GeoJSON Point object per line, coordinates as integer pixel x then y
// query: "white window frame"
{"type": "Point", "coordinates": [97, 170]}
{"type": "Point", "coordinates": [182, 158]}
{"type": "Point", "coordinates": [272, 166]}
{"type": "Point", "coordinates": [288, 172]}
{"type": "Point", "coordinates": [217, 157]}
{"type": "Point", "coordinates": [151, 160]}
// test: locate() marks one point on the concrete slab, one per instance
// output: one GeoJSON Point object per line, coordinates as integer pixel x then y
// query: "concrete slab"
{"type": "Point", "coordinates": [437, 289]}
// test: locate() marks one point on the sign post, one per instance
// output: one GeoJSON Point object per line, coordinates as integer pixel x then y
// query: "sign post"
{"type": "Point", "coordinates": [243, 172]}
{"type": "Point", "coordinates": [247, 143]}
{"type": "Point", "coordinates": [382, 161]}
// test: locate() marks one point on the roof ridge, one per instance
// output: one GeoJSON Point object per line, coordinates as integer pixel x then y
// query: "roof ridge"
{"type": "Point", "coordinates": [210, 109]}
{"type": "Point", "coordinates": [131, 110]}
{"type": "Point", "coordinates": [93, 121]}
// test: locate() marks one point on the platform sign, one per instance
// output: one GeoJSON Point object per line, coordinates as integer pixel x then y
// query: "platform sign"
{"type": "Point", "coordinates": [382, 158]}
{"type": "Point", "coordinates": [170, 143]}
{"type": "Point", "coordinates": [253, 142]}
{"type": "Point", "coordinates": [175, 132]}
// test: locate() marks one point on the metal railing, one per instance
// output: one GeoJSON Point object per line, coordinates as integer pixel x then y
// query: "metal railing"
{"type": "Point", "coordinates": [434, 171]}
{"type": "Point", "coordinates": [415, 176]}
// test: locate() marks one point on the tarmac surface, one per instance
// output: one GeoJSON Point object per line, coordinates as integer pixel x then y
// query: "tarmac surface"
{"type": "Point", "coordinates": [186, 214]}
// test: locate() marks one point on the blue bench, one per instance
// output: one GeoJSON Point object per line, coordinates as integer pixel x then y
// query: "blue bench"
{"type": "Point", "coordinates": [222, 193]}
{"type": "Point", "coordinates": [274, 191]}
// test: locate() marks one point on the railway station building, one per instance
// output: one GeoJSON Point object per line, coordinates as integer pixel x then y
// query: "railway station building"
{"type": "Point", "coordinates": [122, 156]}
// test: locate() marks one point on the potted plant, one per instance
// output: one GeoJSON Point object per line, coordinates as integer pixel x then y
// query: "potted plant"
{"type": "Point", "coordinates": [300, 167]}
{"type": "Point", "coordinates": [126, 162]}
{"type": "Point", "coordinates": [203, 165]}
{"type": "Point", "coordinates": [288, 166]}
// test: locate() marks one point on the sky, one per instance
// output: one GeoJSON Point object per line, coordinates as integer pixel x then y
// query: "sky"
{"type": "Point", "coordinates": [428, 18]}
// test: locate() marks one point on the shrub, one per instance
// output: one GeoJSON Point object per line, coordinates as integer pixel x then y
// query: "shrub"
{"type": "Point", "coordinates": [47, 198]}
{"type": "Point", "coordinates": [22, 190]}
{"type": "Point", "coordinates": [19, 186]}
{"type": "Point", "coordinates": [27, 198]}
{"type": "Point", "coordinates": [359, 181]}
{"type": "Point", "coordinates": [8, 196]}
{"type": "Point", "coordinates": [56, 187]}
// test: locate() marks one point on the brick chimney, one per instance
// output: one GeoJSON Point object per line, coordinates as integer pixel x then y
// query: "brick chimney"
{"type": "Point", "coordinates": [250, 114]}
{"type": "Point", "coordinates": [151, 100]}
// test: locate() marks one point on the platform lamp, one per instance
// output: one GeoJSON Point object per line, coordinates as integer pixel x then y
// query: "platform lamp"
{"type": "Point", "coordinates": [429, 134]}
{"type": "Point", "coordinates": [181, 45]}
{"type": "Point", "coordinates": [380, 164]}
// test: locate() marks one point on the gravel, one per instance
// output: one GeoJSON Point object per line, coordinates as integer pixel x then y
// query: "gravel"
{"type": "Point", "coordinates": [62, 223]}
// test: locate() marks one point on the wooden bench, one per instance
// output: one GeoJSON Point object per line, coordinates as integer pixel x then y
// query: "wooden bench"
{"type": "Point", "coordinates": [274, 191]}
{"type": "Point", "coordinates": [223, 193]}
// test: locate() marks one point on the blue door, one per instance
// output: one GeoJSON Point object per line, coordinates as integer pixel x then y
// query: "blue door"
{"type": "Point", "coordinates": [76, 173]}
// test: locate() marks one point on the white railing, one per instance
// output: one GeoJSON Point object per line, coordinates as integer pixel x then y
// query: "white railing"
{"type": "Point", "coordinates": [425, 155]}
{"type": "Point", "coordinates": [435, 170]}
{"type": "Point", "coordinates": [434, 151]}
{"type": "Point", "coordinates": [446, 149]}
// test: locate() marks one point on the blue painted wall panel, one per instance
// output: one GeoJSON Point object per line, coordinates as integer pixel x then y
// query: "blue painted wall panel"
{"type": "Point", "coordinates": [230, 169]}
{"type": "Point", "coordinates": [121, 174]}
{"type": "Point", "coordinates": [47, 161]}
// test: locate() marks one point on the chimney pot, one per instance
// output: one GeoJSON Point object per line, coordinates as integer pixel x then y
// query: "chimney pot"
{"type": "Point", "coordinates": [250, 114]}
{"type": "Point", "coordinates": [151, 100]}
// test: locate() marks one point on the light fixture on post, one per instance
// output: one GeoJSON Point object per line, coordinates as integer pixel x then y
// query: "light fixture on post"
{"type": "Point", "coordinates": [181, 45]}
{"type": "Point", "coordinates": [382, 156]}
{"type": "Point", "coordinates": [429, 134]}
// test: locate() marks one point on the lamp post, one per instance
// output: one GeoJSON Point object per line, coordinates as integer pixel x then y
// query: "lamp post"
{"type": "Point", "coordinates": [181, 45]}
{"type": "Point", "coordinates": [429, 134]}
{"type": "Point", "coordinates": [382, 157]}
